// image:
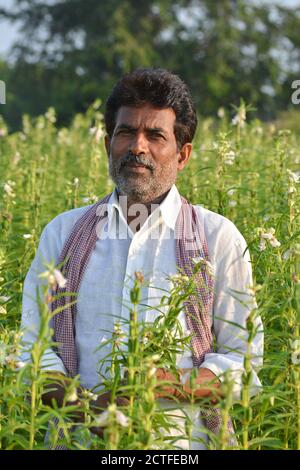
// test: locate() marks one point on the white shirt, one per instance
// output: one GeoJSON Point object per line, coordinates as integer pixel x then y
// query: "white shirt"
{"type": "Point", "coordinates": [104, 291]}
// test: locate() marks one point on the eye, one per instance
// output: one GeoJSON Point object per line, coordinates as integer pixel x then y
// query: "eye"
{"type": "Point", "coordinates": [156, 135]}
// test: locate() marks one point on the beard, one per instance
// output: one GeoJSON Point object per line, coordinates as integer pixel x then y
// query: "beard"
{"type": "Point", "coordinates": [142, 187]}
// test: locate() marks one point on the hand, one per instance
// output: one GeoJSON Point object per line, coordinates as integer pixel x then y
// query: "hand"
{"type": "Point", "coordinates": [166, 391]}
{"type": "Point", "coordinates": [207, 384]}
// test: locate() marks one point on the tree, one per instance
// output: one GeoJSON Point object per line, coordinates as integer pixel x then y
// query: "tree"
{"type": "Point", "coordinates": [74, 50]}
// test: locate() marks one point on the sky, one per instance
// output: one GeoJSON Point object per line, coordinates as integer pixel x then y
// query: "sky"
{"type": "Point", "coordinates": [9, 31]}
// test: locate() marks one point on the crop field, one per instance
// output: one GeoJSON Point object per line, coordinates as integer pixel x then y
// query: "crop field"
{"type": "Point", "coordinates": [244, 169]}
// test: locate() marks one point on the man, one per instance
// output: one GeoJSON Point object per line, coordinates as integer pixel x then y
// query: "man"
{"type": "Point", "coordinates": [150, 121]}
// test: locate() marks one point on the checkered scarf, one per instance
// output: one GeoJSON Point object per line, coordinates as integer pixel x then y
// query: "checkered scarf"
{"type": "Point", "coordinates": [191, 248]}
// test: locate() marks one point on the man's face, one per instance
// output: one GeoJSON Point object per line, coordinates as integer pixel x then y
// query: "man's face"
{"type": "Point", "coordinates": [143, 154]}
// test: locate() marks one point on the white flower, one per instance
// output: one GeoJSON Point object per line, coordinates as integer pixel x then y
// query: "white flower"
{"type": "Point", "coordinates": [63, 137]}
{"type": "Point", "coordinates": [268, 235]}
{"type": "Point", "coordinates": [2, 353]}
{"type": "Point", "coordinates": [40, 123]}
{"type": "Point", "coordinates": [198, 259]}
{"type": "Point", "coordinates": [18, 335]}
{"type": "Point", "coordinates": [295, 347]}
{"type": "Point", "coordinates": [262, 244]}
{"type": "Point", "coordinates": [90, 395]}
{"type": "Point", "coordinates": [291, 252]}
{"type": "Point", "coordinates": [232, 203]}
{"type": "Point", "coordinates": [51, 279]}
{"type": "Point", "coordinates": [3, 132]}
{"type": "Point", "coordinates": [26, 236]}
{"type": "Point", "coordinates": [20, 364]}
{"type": "Point", "coordinates": [178, 279]}
{"type": "Point", "coordinates": [76, 181]}
{"type": "Point", "coordinates": [287, 254]}
{"type": "Point", "coordinates": [54, 277]}
{"type": "Point", "coordinates": [229, 157]}
{"type": "Point", "coordinates": [8, 189]}
{"type": "Point", "coordinates": [259, 130]}
{"type": "Point", "coordinates": [235, 120]}
{"type": "Point", "coordinates": [4, 299]}
{"type": "Point", "coordinates": [16, 158]}
{"type": "Point", "coordinates": [230, 192]}
{"type": "Point", "coordinates": [240, 118]}
{"type": "Point", "coordinates": [155, 357]}
{"type": "Point", "coordinates": [293, 177]}
{"type": "Point", "coordinates": [152, 372]}
{"type": "Point", "coordinates": [60, 279]}
{"type": "Point", "coordinates": [72, 396]}
{"type": "Point", "coordinates": [122, 371]}
{"type": "Point", "coordinates": [274, 242]}
{"type": "Point", "coordinates": [122, 419]}
{"type": "Point", "coordinates": [103, 419]}
{"type": "Point", "coordinates": [2, 310]}
{"type": "Point", "coordinates": [11, 361]}
{"type": "Point", "coordinates": [210, 267]}
{"type": "Point", "coordinates": [118, 330]}
{"type": "Point", "coordinates": [97, 132]}
{"type": "Point", "coordinates": [90, 199]}
{"type": "Point", "coordinates": [295, 279]}
{"type": "Point", "coordinates": [50, 115]}
{"type": "Point", "coordinates": [93, 396]}
{"type": "Point", "coordinates": [221, 112]}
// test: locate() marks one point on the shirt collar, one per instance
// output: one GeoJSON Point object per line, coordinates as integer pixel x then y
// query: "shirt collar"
{"type": "Point", "coordinates": [169, 208]}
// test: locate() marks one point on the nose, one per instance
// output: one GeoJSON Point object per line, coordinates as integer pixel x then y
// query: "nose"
{"type": "Point", "coordinates": [139, 144]}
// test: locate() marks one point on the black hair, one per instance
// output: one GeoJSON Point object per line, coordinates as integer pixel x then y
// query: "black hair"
{"type": "Point", "coordinates": [161, 89]}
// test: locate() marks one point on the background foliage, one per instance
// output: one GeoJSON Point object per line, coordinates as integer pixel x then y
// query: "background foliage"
{"type": "Point", "coordinates": [71, 52]}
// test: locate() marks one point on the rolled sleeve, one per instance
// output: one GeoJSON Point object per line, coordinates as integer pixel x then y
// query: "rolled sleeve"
{"type": "Point", "coordinates": [232, 306]}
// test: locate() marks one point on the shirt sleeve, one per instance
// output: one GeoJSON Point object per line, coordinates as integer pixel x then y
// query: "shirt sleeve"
{"type": "Point", "coordinates": [48, 250]}
{"type": "Point", "coordinates": [232, 305]}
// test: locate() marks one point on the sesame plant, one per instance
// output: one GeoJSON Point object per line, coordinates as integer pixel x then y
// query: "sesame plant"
{"type": "Point", "coordinates": [243, 169]}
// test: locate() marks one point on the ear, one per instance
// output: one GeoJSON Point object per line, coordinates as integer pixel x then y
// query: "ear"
{"type": "Point", "coordinates": [184, 155]}
{"type": "Point", "coordinates": [107, 144]}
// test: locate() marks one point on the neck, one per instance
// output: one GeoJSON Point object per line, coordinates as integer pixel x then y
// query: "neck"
{"type": "Point", "coordinates": [150, 205]}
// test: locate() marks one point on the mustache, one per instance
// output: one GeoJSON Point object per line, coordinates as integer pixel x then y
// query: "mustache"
{"type": "Point", "coordinates": [138, 159]}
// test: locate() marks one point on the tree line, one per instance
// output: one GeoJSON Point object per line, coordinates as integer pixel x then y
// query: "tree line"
{"type": "Point", "coordinates": [70, 52]}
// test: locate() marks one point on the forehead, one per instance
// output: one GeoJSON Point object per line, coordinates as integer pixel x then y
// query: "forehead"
{"type": "Point", "coordinates": [146, 116]}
